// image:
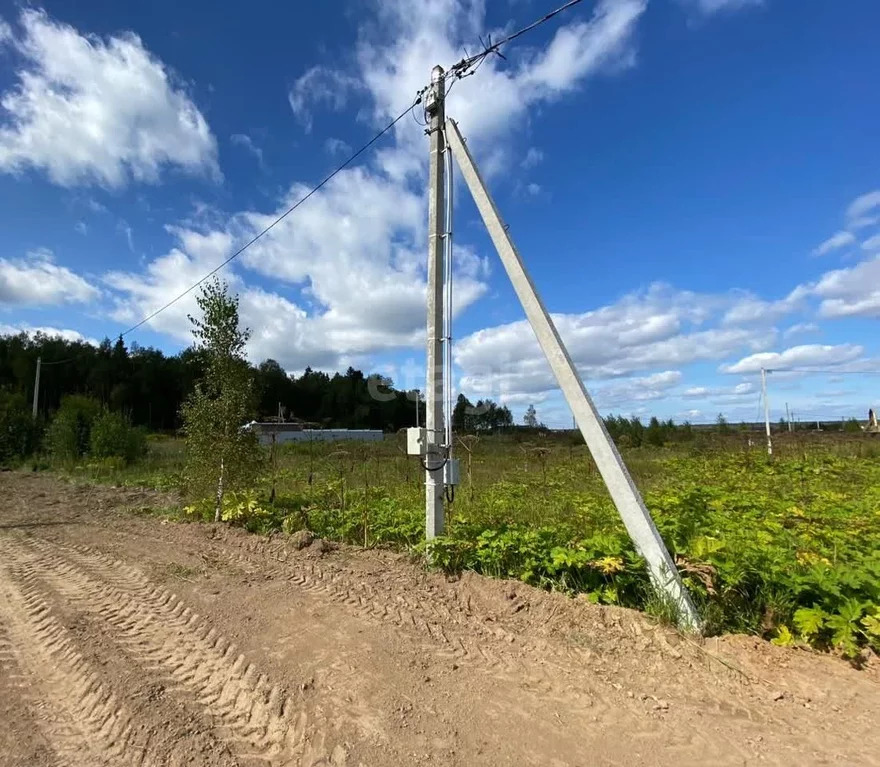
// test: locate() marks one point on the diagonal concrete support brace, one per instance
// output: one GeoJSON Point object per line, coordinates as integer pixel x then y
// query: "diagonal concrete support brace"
{"type": "Point", "coordinates": [624, 493]}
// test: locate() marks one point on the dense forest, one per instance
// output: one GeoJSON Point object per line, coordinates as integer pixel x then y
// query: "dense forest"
{"type": "Point", "coordinates": [149, 387]}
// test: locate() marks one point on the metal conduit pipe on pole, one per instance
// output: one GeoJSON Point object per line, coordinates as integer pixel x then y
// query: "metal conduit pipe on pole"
{"type": "Point", "coordinates": [624, 493]}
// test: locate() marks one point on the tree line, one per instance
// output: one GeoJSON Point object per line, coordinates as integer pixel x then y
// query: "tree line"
{"type": "Point", "coordinates": [149, 387]}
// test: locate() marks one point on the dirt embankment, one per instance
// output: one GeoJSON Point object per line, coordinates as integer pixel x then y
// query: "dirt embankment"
{"type": "Point", "coordinates": [125, 639]}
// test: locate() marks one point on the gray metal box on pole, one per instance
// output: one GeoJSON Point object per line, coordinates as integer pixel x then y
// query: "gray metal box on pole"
{"type": "Point", "coordinates": [623, 491]}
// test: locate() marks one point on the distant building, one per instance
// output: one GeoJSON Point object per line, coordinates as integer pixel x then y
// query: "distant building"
{"type": "Point", "coordinates": [296, 432]}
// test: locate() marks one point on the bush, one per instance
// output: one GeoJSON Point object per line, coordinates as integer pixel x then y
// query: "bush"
{"type": "Point", "coordinates": [68, 437]}
{"type": "Point", "coordinates": [19, 433]}
{"type": "Point", "coordinates": [113, 436]}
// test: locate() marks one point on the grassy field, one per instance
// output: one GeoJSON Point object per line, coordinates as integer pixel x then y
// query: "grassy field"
{"type": "Point", "coordinates": [787, 548]}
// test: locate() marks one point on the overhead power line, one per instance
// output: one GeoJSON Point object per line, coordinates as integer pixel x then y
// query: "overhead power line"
{"type": "Point", "coordinates": [463, 68]}
{"type": "Point", "coordinates": [460, 69]}
{"type": "Point", "coordinates": [826, 372]}
{"type": "Point", "coordinates": [278, 220]}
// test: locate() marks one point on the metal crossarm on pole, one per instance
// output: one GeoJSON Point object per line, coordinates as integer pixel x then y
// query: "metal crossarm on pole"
{"type": "Point", "coordinates": [624, 493]}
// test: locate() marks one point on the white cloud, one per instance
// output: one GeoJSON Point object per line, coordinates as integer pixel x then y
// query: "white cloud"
{"type": "Point", "coordinates": [644, 389]}
{"type": "Point", "coordinates": [80, 227]}
{"type": "Point", "coordinates": [351, 254]}
{"type": "Point", "coordinates": [720, 394]}
{"type": "Point", "coordinates": [65, 333]}
{"type": "Point", "coordinates": [808, 356]}
{"type": "Point", "coordinates": [37, 280]}
{"type": "Point", "coordinates": [800, 328]}
{"type": "Point", "coordinates": [533, 157]}
{"type": "Point", "coordinates": [854, 291]}
{"type": "Point", "coordinates": [659, 328]}
{"type": "Point", "coordinates": [863, 206]}
{"type": "Point", "coordinates": [335, 146]}
{"type": "Point", "coordinates": [5, 32]}
{"type": "Point", "coordinates": [533, 189]}
{"type": "Point", "coordinates": [89, 110]}
{"type": "Point", "coordinates": [396, 58]}
{"type": "Point", "coordinates": [749, 309]}
{"type": "Point", "coordinates": [714, 6]}
{"type": "Point", "coordinates": [352, 257]}
{"type": "Point", "coordinates": [247, 143]}
{"type": "Point", "coordinates": [123, 227]}
{"type": "Point", "coordinates": [872, 243]}
{"type": "Point", "coordinates": [320, 85]}
{"type": "Point", "coordinates": [837, 241]}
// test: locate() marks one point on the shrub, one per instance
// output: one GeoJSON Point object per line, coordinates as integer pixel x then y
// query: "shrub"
{"type": "Point", "coordinates": [68, 435]}
{"type": "Point", "coordinates": [19, 433]}
{"type": "Point", "coordinates": [113, 436]}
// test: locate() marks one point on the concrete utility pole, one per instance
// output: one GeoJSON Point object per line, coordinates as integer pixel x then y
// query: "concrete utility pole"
{"type": "Point", "coordinates": [788, 418]}
{"type": "Point", "coordinates": [37, 387]}
{"type": "Point", "coordinates": [766, 410]}
{"type": "Point", "coordinates": [623, 491]}
{"type": "Point", "coordinates": [434, 453]}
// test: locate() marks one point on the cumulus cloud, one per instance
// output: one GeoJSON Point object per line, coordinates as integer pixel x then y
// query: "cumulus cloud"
{"type": "Point", "coordinates": [807, 356]}
{"type": "Point", "coordinates": [639, 389]}
{"type": "Point", "coordinates": [656, 329]}
{"type": "Point", "coordinates": [351, 259]}
{"type": "Point", "coordinates": [66, 333]}
{"type": "Point", "coordinates": [850, 292]}
{"type": "Point", "coordinates": [749, 309]}
{"type": "Point", "coordinates": [349, 253]}
{"type": "Point", "coordinates": [721, 394]}
{"type": "Point", "coordinates": [88, 110]}
{"type": "Point", "coordinates": [37, 280]}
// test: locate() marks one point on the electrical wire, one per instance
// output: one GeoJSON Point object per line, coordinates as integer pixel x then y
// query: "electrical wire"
{"type": "Point", "coordinates": [56, 362]}
{"type": "Point", "coordinates": [460, 69]}
{"type": "Point", "coordinates": [280, 218]}
{"type": "Point", "coordinates": [826, 372]}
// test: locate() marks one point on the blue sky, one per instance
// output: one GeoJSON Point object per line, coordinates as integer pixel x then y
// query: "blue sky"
{"type": "Point", "coordinates": [694, 184]}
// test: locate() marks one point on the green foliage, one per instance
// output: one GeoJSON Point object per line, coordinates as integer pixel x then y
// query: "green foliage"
{"type": "Point", "coordinates": [19, 434]}
{"type": "Point", "coordinates": [113, 436]}
{"type": "Point", "coordinates": [852, 426]}
{"type": "Point", "coordinates": [221, 455]}
{"type": "Point", "coordinates": [788, 550]}
{"type": "Point", "coordinates": [68, 436]}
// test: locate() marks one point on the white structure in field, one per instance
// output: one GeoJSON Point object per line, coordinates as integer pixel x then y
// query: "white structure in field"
{"type": "Point", "coordinates": [294, 432]}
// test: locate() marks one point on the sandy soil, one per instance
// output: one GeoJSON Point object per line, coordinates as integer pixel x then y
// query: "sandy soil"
{"type": "Point", "coordinates": [126, 639]}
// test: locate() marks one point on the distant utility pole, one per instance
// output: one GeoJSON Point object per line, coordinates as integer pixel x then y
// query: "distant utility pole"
{"type": "Point", "coordinates": [788, 418]}
{"type": "Point", "coordinates": [37, 386]}
{"type": "Point", "coordinates": [766, 410]}
{"type": "Point", "coordinates": [434, 427]}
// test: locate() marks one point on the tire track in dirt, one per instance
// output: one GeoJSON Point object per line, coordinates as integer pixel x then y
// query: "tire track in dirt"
{"type": "Point", "coordinates": [79, 564]}
{"type": "Point", "coordinates": [85, 723]}
{"type": "Point", "coordinates": [256, 719]}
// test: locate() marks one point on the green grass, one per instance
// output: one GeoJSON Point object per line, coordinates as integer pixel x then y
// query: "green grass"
{"type": "Point", "coordinates": [788, 549]}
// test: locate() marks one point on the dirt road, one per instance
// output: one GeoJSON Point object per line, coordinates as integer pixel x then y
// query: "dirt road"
{"type": "Point", "coordinates": [128, 640]}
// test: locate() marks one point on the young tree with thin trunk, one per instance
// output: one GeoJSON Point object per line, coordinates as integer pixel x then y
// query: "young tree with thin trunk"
{"type": "Point", "coordinates": [221, 456]}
